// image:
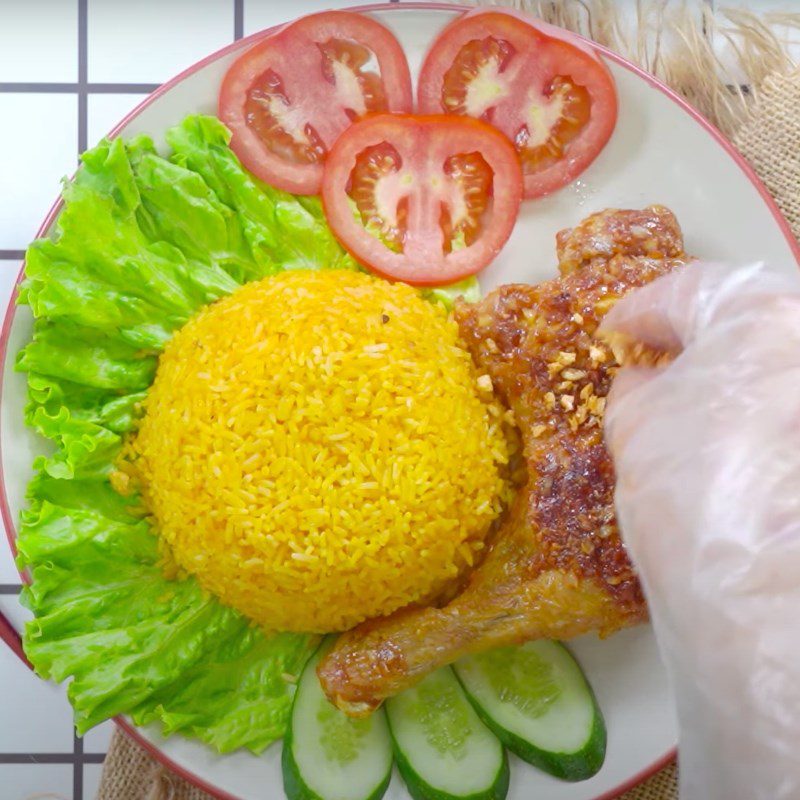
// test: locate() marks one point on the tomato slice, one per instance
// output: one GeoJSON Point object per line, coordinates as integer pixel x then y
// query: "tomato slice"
{"type": "Point", "coordinates": [548, 91]}
{"type": "Point", "coordinates": [287, 99]}
{"type": "Point", "coordinates": [427, 200]}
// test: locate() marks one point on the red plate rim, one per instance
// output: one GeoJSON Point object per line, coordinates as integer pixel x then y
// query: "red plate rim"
{"type": "Point", "coordinates": [9, 635]}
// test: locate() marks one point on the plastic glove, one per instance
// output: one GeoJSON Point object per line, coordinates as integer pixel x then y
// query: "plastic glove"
{"type": "Point", "coordinates": [707, 453]}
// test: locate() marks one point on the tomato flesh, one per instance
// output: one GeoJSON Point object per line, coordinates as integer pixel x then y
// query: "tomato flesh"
{"type": "Point", "coordinates": [345, 65]}
{"type": "Point", "coordinates": [269, 114]}
{"type": "Point", "coordinates": [553, 97]}
{"type": "Point", "coordinates": [435, 198]}
{"type": "Point", "coordinates": [373, 166]}
{"type": "Point", "coordinates": [283, 128]}
{"type": "Point", "coordinates": [384, 212]}
{"type": "Point", "coordinates": [287, 99]}
{"type": "Point", "coordinates": [473, 84]}
{"type": "Point", "coordinates": [472, 178]}
{"type": "Point", "coordinates": [549, 120]}
{"type": "Point", "coordinates": [553, 122]}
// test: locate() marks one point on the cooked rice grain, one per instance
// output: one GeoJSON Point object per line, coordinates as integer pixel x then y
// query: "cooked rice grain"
{"type": "Point", "coordinates": [316, 451]}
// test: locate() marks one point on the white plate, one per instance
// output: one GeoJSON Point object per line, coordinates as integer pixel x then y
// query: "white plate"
{"type": "Point", "coordinates": [661, 152]}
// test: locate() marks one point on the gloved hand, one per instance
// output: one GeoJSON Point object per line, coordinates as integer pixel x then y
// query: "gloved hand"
{"type": "Point", "coordinates": [707, 453]}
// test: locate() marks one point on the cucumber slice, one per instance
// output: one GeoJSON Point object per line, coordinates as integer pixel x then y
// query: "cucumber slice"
{"type": "Point", "coordinates": [537, 701]}
{"type": "Point", "coordinates": [442, 749]}
{"type": "Point", "coordinates": [326, 754]}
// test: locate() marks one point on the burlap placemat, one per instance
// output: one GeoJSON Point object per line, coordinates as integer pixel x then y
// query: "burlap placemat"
{"type": "Point", "coordinates": [131, 774]}
{"type": "Point", "coordinates": [762, 116]}
{"type": "Point", "coordinates": [770, 141]}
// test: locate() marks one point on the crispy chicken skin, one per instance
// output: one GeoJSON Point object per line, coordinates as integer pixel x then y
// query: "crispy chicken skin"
{"type": "Point", "coordinates": [557, 567]}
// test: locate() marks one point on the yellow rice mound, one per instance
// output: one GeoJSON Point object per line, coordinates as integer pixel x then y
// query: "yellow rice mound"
{"type": "Point", "coordinates": [317, 451]}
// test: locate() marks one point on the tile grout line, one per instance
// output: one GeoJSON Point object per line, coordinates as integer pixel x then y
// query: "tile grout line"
{"type": "Point", "coordinates": [38, 88]}
{"type": "Point", "coordinates": [121, 88]}
{"type": "Point", "coordinates": [52, 758]}
{"type": "Point", "coordinates": [83, 122]}
{"type": "Point", "coordinates": [77, 767]}
{"type": "Point", "coordinates": [72, 88]}
{"type": "Point", "coordinates": [83, 135]}
{"type": "Point", "coordinates": [238, 20]}
{"type": "Point", "coordinates": [83, 75]}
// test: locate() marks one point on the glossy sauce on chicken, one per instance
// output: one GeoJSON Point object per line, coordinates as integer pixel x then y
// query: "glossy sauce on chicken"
{"type": "Point", "coordinates": [538, 345]}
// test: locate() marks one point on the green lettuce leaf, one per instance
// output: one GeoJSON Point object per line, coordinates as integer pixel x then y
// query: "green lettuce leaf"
{"type": "Point", "coordinates": [468, 290]}
{"type": "Point", "coordinates": [102, 273]}
{"type": "Point", "coordinates": [89, 356]}
{"type": "Point", "coordinates": [161, 650]}
{"type": "Point", "coordinates": [248, 665]}
{"type": "Point", "coordinates": [281, 229]}
{"type": "Point", "coordinates": [178, 206]}
{"type": "Point", "coordinates": [143, 242]}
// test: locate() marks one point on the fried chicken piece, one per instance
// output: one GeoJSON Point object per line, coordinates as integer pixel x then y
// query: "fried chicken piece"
{"type": "Point", "coordinates": [557, 567]}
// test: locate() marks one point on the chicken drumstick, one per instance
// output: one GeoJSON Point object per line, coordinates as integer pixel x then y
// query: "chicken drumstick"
{"type": "Point", "coordinates": [557, 567]}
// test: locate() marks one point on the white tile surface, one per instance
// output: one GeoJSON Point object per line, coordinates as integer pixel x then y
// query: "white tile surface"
{"type": "Point", "coordinates": [34, 52]}
{"type": "Point", "coordinates": [91, 780]}
{"type": "Point", "coordinates": [38, 146]}
{"type": "Point", "coordinates": [150, 41]}
{"type": "Point", "coordinates": [15, 613]}
{"type": "Point", "coordinates": [105, 111]}
{"type": "Point", "coordinates": [98, 739]}
{"type": "Point", "coordinates": [260, 14]}
{"type": "Point", "coordinates": [8, 572]}
{"type": "Point", "coordinates": [36, 782]}
{"type": "Point", "coordinates": [36, 717]}
{"type": "Point", "coordinates": [9, 270]}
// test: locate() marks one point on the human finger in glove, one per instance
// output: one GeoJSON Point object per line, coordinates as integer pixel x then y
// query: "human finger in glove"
{"type": "Point", "coordinates": [705, 439]}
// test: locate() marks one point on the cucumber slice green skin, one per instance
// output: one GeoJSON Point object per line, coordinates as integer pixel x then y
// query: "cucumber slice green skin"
{"type": "Point", "coordinates": [420, 790]}
{"type": "Point", "coordinates": [568, 766]}
{"type": "Point", "coordinates": [295, 788]}
{"type": "Point", "coordinates": [575, 766]}
{"type": "Point", "coordinates": [435, 771]}
{"type": "Point", "coordinates": [309, 772]}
